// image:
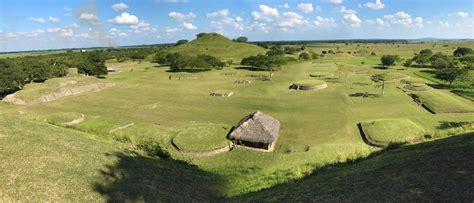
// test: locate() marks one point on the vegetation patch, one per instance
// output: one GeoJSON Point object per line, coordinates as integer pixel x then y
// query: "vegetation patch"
{"type": "Point", "coordinates": [389, 131]}
{"type": "Point", "coordinates": [183, 76]}
{"type": "Point", "coordinates": [199, 137]}
{"type": "Point", "coordinates": [439, 102]}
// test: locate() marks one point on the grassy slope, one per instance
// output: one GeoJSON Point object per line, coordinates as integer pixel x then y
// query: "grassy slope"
{"type": "Point", "coordinates": [441, 101]}
{"type": "Point", "coordinates": [439, 170]}
{"type": "Point", "coordinates": [219, 46]}
{"type": "Point", "coordinates": [41, 162]}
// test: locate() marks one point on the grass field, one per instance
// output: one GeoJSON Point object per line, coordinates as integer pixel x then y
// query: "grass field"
{"type": "Point", "coordinates": [202, 137]}
{"type": "Point", "coordinates": [318, 129]}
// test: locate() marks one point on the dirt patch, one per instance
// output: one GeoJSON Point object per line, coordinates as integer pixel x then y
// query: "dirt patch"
{"type": "Point", "coordinates": [208, 153]}
{"type": "Point", "coordinates": [57, 95]}
{"type": "Point", "coordinates": [221, 94]}
{"type": "Point", "coordinates": [307, 87]}
{"type": "Point", "coordinates": [75, 121]}
{"type": "Point", "coordinates": [121, 127]}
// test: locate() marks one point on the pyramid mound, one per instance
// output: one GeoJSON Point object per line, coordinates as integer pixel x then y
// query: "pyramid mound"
{"type": "Point", "coordinates": [219, 46]}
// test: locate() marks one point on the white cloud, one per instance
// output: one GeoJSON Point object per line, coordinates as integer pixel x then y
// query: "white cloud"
{"type": "Point", "coordinates": [352, 20]}
{"type": "Point", "coordinates": [88, 16]}
{"type": "Point", "coordinates": [347, 11]}
{"type": "Point", "coordinates": [72, 26]}
{"type": "Point", "coordinates": [320, 21]}
{"type": "Point", "coordinates": [377, 5]}
{"type": "Point", "coordinates": [53, 19]}
{"type": "Point", "coordinates": [462, 14]}
{"type": "Point", "coordinates": [266, 13]}
{"type": "Point", "coordinates": [405, 19]}
{"type": "Point", "coordinates": [116, 32]}
{"type": "Point", "coordinates": [142, 27]}
{"type": "Point", "coordinates": [119, 7]}
{"type": "Point", "coordinates": [189, 26]}
{"type": "Point", "coordinates": [126, 19]}
{"type": "Point", "coordinates": [290, 19]}
{"type": "Point", "coordinates": [38, 20]}
{"type": "Point", "coordinates": [444, 23]}
{"type": "Point", "coordinates": [220, 13]}
{"type": "Point", "coordinates": [306, 7]}
{"type": "Point", "coordinates": [336, 1]}
{"type": "Point", "coordinates": [63, 32]}
{"type": "Point", "coordinates": [378, 22]}
{"type": "Point", "coordinates": [171, 30]}
{"type": "Point", "coordinates": [181, 17]}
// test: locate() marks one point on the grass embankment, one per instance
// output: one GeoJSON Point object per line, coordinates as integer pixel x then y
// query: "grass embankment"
{"type": "Point", "coordinates": [439, 170]}
{"type": "Point", "coordinates": [392, 131]}
{"type": "Point", "coordinates": [46, 163]}
{"type": "Point", "coordinates": [440, 101]}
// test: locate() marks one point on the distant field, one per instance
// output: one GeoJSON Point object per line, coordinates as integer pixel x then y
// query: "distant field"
{"type": "Point", "coordinates": [32, 53]}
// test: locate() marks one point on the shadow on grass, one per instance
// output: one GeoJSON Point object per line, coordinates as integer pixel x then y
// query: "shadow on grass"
{"type": "Point", "coordinates": [140, 178]}
{"type": "Point", "coordinates": [439, 170]}
{"type": "Point", "coordinates": [364, 95]}
{"type": "Point", "coordinates": [451, 124]}
{"type": "Point", "coordinates": [250, 69]}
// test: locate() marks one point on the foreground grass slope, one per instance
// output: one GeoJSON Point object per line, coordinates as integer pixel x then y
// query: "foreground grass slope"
{"type": "Point", "coordinates": [219, 46]}
{"type": "Point", "coordinates": [440, 170]}
{"type": "Point", "coordinates": [41, 162]}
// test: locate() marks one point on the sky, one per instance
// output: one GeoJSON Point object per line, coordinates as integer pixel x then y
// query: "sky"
{"type": "Point", "coordinates": [54, 24]}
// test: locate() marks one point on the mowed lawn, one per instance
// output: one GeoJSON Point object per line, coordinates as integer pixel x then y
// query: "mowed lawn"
{"type": "Point", "coordinates": [318, 127]}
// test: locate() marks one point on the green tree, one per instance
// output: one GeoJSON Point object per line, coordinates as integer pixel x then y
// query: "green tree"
{"type": "Point", "coordinates": [380, 78]}
{"type": "Point", "coordinates": [202, 34]}
{"type": "Point", "coordinates": [11, 77]}
{"type": "Point", "coordinates": [461, 51]}
{"type": "Point", "coordinates": [451, 74]}
{"type": "Point", "coordinates": [440, 63]}
{"type": "Point", "coordinates": [408, 63]}
{"type": "Point", "coordinates": [389, 60]}
{"type": "Point", "coordinates": [93, 64]}
{"type": "Point", "coordinates": [342, 69]}
{"type": "Point", "coordinates": [241, 39]}
{"type": "Point", "coordinates": [180, 42]}
{"type": "Point", "coordinates": [276, 51]}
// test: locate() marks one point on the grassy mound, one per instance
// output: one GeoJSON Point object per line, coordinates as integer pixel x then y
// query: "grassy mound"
{"type": "Point", "coordinates": [202, 137]}
{"type": "Point", "coordinates": [439, 170]}
{"type": "Point", "coordinates": [219, 46]}
{"type": "Point", "coordinates": [58, 118]}
{"type": "Point", "coordinates": [309, 83]}
{"type": "Point", "coordinates": [394, 76]}
{"type": "Point", "coordinates": [384, 132]}
{"type": "Point", "coordinates": [321, 74]}
{"type": "Point", "coordinates": [440, 101]}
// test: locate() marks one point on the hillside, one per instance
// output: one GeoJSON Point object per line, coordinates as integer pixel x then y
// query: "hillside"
{"type": "Point", "coordinates": [219, 46]}
{"type": "Point", "coordinates": [439, 170]}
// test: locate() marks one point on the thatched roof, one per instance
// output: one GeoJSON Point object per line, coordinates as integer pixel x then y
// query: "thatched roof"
{"type": "Point", "coordinates": [256, 127]}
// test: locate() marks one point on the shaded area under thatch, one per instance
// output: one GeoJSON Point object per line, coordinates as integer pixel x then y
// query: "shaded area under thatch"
{"type": "Point", "coordinates": [257, 130]}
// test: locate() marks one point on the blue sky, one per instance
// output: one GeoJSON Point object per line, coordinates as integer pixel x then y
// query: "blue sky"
{"type": "Point", "coordinates": [52, 24]}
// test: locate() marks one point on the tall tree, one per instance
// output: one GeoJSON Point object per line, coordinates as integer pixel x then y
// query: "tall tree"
{"type": "Point", "coordinates": [380, 78]}
{"type": "Point", "coordinates": [389, 60]}
{"type": "Point", "coordinates": [461, 51]}
{"type": "Point", "coordinates": [241, 39]}
{"type": "Point", "coordinates": [451, 73]}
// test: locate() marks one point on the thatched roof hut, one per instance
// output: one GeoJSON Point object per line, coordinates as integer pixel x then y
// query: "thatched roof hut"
{"type": "Point", "coordinates": [257, 130]}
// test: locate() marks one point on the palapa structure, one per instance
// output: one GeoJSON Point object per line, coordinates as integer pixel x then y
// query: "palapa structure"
{"type": "Point", "coordinates": [257, 130]}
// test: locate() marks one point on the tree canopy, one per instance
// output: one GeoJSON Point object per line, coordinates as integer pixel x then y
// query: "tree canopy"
{"type": "Point", "coordinates": [461, 51]}
{"type": "Point", "coordinates": [242, 39]}
{"type": "Point", "coordinates": [264, 62]}
{"type": "Point", "coordinates": [389, 60]}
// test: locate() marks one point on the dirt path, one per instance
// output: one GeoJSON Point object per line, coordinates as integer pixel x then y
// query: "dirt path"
{"type": "Point", "coordinates": [75, 121]}
{"type": "Point", "coordinates": [121, 127]}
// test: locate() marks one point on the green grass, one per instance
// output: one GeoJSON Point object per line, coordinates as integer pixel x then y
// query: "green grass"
{"type": "Point", "coordinates": [219, 46]}
{"type": "Point", "coordinates": [387, 131]}
{"type": "Point", "coordinates": [317, 129]}
{"type": "Point", "coordinates": [439, 170]}
{"type": "Point", "coordinates": [441, 101]}
{"type": "Point", "coordinates": [321, 74]}
{"type": "Point", "coordinates": [202, 137]}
